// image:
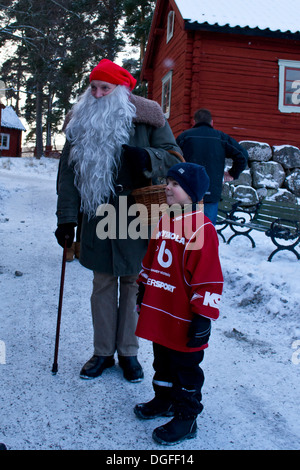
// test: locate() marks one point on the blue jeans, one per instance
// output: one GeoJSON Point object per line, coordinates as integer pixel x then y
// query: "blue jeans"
{"type": "Point", "coordinates": [211, 211]}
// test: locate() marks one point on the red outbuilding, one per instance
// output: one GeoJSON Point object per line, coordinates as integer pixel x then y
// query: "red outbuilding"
{"type": "Point", "coordinates": [11, 133]}
{"type": "Point", "coordinates": [239, 58]}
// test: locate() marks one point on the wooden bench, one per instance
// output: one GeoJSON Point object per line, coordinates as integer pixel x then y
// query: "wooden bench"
{"type": "Point", "coordinates": [278, 220]}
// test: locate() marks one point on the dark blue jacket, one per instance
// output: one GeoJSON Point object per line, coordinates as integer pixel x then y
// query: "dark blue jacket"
{"type": "Point", "coordinates": [209, 147]}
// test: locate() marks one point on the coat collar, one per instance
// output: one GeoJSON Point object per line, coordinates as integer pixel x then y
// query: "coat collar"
{"type": "Point", "coordinates": [147, 112]}
{"type": "Point", "coordinates": [202, 124]}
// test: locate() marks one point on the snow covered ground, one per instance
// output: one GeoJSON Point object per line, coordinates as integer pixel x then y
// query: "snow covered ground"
{"type": "Point", "coordinates": [251, 394]}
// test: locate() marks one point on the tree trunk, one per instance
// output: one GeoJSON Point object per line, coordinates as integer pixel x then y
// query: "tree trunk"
{"type": "Point", "coordinates": [39, 130]}
{"type": "Point", "coordinates": [49, 116]}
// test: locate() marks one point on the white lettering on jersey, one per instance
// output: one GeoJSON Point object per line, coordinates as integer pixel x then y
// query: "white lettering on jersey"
{"type": "Point", "coordinates": [160, 284]}
{"type": "Point", "coordinates": [170, 236]}
{"type": "Point", "coordinates": [212, 300]}
{"type": "Point", "coordinates": [162, 251]}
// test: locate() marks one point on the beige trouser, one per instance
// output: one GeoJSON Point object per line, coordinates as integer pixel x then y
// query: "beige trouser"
{"type": "Point", "coordinates": [113, 303]}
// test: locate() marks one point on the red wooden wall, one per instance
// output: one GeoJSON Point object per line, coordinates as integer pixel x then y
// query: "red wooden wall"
{"type": "Point", "coordinates": [166, 57]}
{"type": "Point", "coordinates": [14, 143]}
{"type": "Point", "coordinates": [235, 76]}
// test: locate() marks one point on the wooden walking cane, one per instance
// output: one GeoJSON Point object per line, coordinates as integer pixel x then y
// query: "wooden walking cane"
{"type": "Point", "coordinates": [62, 280]}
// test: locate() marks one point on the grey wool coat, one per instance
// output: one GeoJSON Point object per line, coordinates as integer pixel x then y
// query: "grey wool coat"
{"type": "Point", "coordinates": [119, 255]}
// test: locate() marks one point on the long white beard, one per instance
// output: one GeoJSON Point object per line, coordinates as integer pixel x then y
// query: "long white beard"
{"type": "Point", "coordinates": [97, 130]}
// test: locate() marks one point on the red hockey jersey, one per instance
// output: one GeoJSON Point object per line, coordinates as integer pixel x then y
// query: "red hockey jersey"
{"type": "Point", "coordinates": [182, 275]}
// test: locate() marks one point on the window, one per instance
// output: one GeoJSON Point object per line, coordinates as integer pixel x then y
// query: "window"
{"type": "Point", "coordinates": [166, 94]}
{"type": "Point", "coordinates": [170, 25]}
{"type": "Point", "coordinates": [4, 141]}
{"type": "Point", "coordinates": [289, 86]}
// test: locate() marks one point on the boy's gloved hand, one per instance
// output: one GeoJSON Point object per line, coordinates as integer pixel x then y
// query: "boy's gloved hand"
{"type": "Point", "coordinates": [137, 157]}
{"type": "Point", "coordinates": [199, 331]}
{"type": "Point", "coordinates": [63, 231]}
{"type": "Point", "coordinates": [139, 297]}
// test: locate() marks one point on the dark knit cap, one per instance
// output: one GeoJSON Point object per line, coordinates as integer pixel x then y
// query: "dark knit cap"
{"type": "Point", "coordinates": [192, 178]}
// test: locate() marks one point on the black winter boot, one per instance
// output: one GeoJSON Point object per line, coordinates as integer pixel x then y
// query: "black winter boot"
{"type": "Point", "coordinates": [175, 431]}
{"type": "Point", "coordinates": [154, 408]}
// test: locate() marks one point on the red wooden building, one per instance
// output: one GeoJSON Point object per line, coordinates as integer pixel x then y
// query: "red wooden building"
{"type": "Point", "coordinates": [10, 133]}
{"type": "Point", "coordinates": [239, 58]}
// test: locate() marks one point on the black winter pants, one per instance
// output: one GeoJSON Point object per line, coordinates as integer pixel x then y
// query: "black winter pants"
{"type": "Point", "coordinates": [179, 378]}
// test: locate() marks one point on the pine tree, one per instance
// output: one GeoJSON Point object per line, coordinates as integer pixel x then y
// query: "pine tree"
{"type": "Point", "coordinates": [138, 14]}
{"type": "Point", "coordinates": [56, 43]}
{"type": "Point", "coordinates": [59, 42]}
{"type": "Point", "coordinates": [138, 17]}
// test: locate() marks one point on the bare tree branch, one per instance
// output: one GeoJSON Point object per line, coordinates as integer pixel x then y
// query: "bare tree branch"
{"type": "Point", "coordinates": [64, 8]}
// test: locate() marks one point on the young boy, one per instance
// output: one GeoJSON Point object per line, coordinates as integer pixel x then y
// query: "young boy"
{"type": "Point", "coordinates": [180, 287]}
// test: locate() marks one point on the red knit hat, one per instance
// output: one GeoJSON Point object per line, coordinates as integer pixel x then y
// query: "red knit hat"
{"type": "Point", "coordinates": [109, 72]}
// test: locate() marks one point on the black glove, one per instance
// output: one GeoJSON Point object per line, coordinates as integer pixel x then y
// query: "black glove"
{"type": "Point", "coordinates": [139, 296]}
{"type": "Point", "coordinates": [199, 331]}
{"type": "Point", "coordinates": [63, 231]}
{"type": "Point", "coordinates": [137, 157]}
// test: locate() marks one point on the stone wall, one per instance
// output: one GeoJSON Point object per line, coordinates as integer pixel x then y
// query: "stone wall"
{"type": "Point", "coordinates": [273, 173]}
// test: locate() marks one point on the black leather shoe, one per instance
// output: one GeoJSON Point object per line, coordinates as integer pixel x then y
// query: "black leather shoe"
{"type": "Point", "coordinates": [95, 366]}
{"type": "Point", "coordinates": [132, 369]}
{"type": "Point", "coordinates": [154, 408]}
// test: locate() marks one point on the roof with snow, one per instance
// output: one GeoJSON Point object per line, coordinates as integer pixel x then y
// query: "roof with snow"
{"type": "Point", "coordinates": [10, 119]}
{"type": "Point", "coordinates": [273, 15]}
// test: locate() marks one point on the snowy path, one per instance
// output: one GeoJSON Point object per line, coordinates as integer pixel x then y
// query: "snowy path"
{"type": "Point", "coordinates": [251, 393]}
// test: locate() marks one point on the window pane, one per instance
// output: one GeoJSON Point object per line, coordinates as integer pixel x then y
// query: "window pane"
{"type": "Point", "coordinates": [166, 97]}
{"type": "Point", "coordinates": [166, 94]}
{"type": "Point", "coordinates": [4, 141]}
{"type": "Point", "coordinates": [289, 86]}
{"type": "Point", "coordinates": [292, 74]}
{"type": "Point", "coordinates": [288, 99]}
{"type": "Point", "coordinates": [292, 87]}
{"type": "Point", "coordinates": [170, 25]}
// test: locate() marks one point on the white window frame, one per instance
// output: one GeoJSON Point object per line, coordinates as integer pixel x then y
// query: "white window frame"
{"type": "Point", "coordinates": [285, 108]}
{"type": "Point", "coordinates": [6, 146]}
{"type": "Point", "coordinates": [170, 25]}
{"type": "Point", "coordinates": [166, 100]}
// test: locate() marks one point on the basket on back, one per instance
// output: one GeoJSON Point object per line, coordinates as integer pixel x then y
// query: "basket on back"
{"type": "Point", "coordinates": [152, 199]}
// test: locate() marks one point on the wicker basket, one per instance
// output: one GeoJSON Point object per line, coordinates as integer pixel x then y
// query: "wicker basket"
{"type": "Point", "coordinates": [153, 195]}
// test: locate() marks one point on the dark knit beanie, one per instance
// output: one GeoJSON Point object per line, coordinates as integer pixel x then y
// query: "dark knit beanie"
{"type": "Point", "coordinates": [192, 178]}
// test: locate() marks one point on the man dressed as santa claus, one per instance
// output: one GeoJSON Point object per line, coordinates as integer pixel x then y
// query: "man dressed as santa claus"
{"type": "Point", "coordinates": [115, 143]}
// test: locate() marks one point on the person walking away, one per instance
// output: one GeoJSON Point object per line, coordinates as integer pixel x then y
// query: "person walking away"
{"type": "Point", "coordinates": [204, 145]}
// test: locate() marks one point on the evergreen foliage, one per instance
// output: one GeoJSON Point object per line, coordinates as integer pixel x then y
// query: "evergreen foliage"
{"type": "Point", "coordinates": [53, 44]}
